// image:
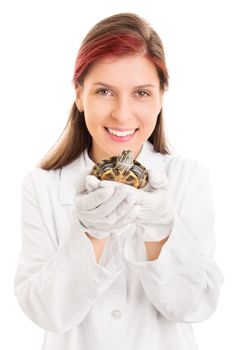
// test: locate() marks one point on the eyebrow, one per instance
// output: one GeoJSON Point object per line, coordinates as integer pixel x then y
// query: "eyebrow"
{"type": "Point", "coordinates": [136, 87]}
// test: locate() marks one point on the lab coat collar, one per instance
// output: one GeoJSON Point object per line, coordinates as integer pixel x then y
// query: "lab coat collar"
{"type": "Point", "coordinates": [69, 173]}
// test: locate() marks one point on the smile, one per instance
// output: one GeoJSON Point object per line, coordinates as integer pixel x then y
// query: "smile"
{"type": "Point", "coordinates": [121, 133]}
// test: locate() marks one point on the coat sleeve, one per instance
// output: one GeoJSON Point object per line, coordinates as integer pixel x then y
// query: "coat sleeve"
{"type": "Point", "coordinates": [57, 284]}
{"type": "Point", "coordinates": [184, 282]}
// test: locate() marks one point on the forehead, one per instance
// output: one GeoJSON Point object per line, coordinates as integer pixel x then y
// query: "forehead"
{"type": "Point", "coordinates": [135, 69]}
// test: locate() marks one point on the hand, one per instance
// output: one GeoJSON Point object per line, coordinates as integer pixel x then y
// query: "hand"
{"type": "Point", "coordinates": [104, 207]}
{"type": "Point", "coordinates": [156, 217]}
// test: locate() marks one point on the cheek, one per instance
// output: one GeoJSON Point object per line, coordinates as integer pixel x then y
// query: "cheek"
{"type": "Point", "coordinates": [149, 107]}
{"type": "Point", "coordinates": [95, 108]}
{"type": "Point", "coordinates": [148, 114]}
{"type": "Point", "coordinates": [93, 118]}
{"type": "Point", "coordinates": [149, 124]}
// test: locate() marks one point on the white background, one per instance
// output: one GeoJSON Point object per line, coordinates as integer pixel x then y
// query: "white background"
{"type": "Point", "coordinates": [39, 43]}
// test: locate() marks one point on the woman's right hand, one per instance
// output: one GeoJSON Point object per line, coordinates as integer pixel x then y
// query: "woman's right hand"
{"type": "Point", "coordinates": [104, 207]}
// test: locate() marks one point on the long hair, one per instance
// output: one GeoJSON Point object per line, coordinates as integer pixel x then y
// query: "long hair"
{"type": "Point", "coordinates": [117, 35]}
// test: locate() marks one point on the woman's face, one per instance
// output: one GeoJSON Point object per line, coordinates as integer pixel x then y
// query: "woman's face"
{"type": "Point", "coordinates": [121, 99]}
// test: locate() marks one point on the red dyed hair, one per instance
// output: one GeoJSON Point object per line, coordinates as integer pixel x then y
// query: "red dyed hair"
{"type": "Point", "coordinates": [112, 42]}
{"type": "Point", "coordinates": [103, 47]}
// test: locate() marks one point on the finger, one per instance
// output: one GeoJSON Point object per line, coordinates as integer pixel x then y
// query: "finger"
{"type": "Point", "coordinates": [129, 217]}
{"type": "Point", "coordinates": [112, 222]}
{"type": "Point", "coordinates": [112, 203]}
{"type": "Point", "coordinates": [132, 197]}
{"type": "Point", "coordinates": [128, 195]}
{"type": "Point", "coordinates": [107, 183]}
{"type": "Point", "coordinates": [108, 206]}
{"type": "Point", "coordinates": [92, 182]}
{"type": "Point", "coordinates": [124, 207]}
{"type": "Point", "coordinates": [93, 200]}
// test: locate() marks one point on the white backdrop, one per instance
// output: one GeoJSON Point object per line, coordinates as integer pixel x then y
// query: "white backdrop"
{"type": "Point", "coordinates": [39, 43]}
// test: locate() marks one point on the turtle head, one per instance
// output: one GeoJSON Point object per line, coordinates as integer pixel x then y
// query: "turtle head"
{"type": "Point", "coordinates": [124, 161]}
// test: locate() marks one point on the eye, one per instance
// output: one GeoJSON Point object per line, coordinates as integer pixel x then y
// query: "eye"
{"type": "Point", "coordinates": [103, 92]}
{"type": "Point", "coordinates": [142, 93]}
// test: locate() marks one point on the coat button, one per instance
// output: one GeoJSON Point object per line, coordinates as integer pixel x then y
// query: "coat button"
{"type": "Point", "coordinates": [116, 314]}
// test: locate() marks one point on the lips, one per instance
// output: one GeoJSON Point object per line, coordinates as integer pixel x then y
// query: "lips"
{"type": "Point", "coordinates": [120, 132]}
{"type": "Point", "coordinates": [119, 135]}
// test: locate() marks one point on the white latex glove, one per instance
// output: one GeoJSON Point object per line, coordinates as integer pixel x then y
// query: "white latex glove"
{"type": "Point", "coordinates": [103, 207]}
{"type": "Point", "coordinates": [156, 217]}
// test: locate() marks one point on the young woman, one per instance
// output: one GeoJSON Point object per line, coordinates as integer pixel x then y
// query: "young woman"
{"type": "Point", "coordinates": [105, 265]}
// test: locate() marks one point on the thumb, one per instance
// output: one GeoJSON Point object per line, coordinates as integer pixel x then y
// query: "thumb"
{"type": "Point", "coordinates": [157, 180]}
{"type": "Point", "coordinates": [79, 183]}
{"type": "Point", "coordinates": [92, 183]}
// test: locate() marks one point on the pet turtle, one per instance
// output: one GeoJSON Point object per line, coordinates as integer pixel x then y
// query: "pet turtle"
{"type": "Point", "coordinates": [123, 169]}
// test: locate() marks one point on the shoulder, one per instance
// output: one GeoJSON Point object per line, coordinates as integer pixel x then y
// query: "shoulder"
{"type": "Point", "coordinates": [40, 183]}
{"type": "Point", "coordinates": [176, 165]}
{"type": "Point", "coordinates": [185, 175]}
{"type": "Point", "coordinates": [40, 176]}
{"type": "Point", "coordinates": [52, 182]}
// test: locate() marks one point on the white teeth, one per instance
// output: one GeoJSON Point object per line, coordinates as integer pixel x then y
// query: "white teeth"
{"type": "Point", "coordinates": [121, 133]}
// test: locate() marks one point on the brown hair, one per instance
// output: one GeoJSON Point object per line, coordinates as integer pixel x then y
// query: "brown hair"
{"type": "Point", "coordinates": [117, 35]}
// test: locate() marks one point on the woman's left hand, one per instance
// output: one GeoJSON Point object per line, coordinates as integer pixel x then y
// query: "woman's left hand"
{"type": "Point", "coordinates": [156, 216]}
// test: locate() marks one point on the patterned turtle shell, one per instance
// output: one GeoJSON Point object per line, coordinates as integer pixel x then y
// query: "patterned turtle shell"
{"type": "Point", "coordinates": [123, 169]}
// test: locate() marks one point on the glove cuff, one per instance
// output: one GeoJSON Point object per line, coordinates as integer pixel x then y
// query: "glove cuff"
{"type": "Point", "coordinates": [154, 232]}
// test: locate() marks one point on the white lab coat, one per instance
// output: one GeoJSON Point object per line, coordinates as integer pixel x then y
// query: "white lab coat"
{"type": "Point", "coordinates": [124, 302]}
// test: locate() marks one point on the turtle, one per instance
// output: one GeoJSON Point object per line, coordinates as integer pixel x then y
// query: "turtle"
{"type": "Point", "coordinates": [122, 168]}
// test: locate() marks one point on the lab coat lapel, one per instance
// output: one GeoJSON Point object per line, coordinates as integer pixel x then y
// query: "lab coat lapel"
{"type": "Point", "coordinates": [69, 174]}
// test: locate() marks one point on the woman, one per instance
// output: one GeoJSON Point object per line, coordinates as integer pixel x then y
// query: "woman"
{"type": "Point", "coordinates": [104, 265]}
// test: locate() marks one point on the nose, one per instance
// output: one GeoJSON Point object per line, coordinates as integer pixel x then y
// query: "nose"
{"type": "Point", "coordinates": [122, 110]}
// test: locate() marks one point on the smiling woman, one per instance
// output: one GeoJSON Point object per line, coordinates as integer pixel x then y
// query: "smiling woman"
{"type": "Point", "coordinates": [115, 43]}
{"type": "Point", "coordinates": [104, 264]}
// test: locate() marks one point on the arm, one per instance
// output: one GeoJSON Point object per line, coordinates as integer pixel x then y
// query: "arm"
{"type": "Point", "coordinates": [153, 249]}
{"type": "Point", "coordinates": [56, 285]}
{"type": "Point", "coordinates": [98, 246]}
{"type": "Point", "coordinates": [183, 283]}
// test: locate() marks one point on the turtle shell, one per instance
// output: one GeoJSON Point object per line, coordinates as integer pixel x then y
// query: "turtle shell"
{"type": "Point", "coordinates": [122, 169]}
